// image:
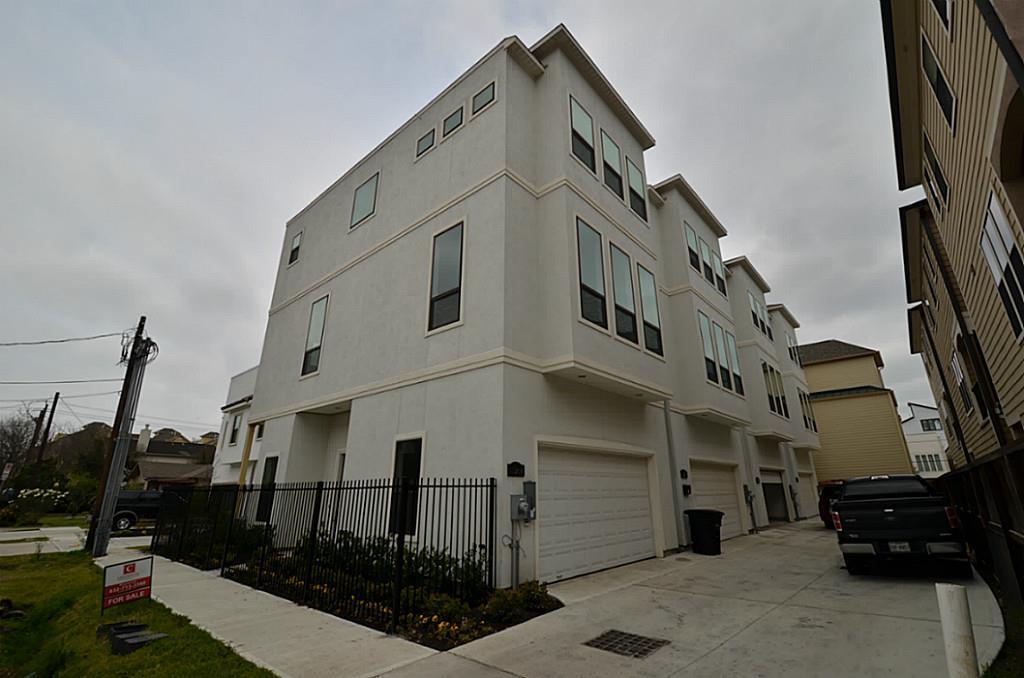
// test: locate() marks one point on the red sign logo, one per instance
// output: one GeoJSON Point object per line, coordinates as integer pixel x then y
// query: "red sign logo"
{"type": "Point", "coordinates": [129, 568]}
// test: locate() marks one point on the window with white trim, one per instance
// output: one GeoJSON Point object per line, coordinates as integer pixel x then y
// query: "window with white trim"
{"type": "Point", "coordinates": [791, 348]}
{"type": "Point", "coordinates": [236, 424]}
{"type": "Point", "coordinates": [425, 143]}
{"type": "Point", "coordinates": [807, 411]}
{"type": "Point", "coordinates": [451, 123]}
{"type": "Point", "coordinates": [649, 310]}
{"type": "Point", "coordinates": [760, 316]}
{"type": "Point", "coordinates": [446, 279]}
{"type": "Point", "coordinates": [705, 257]}
{"type": "Point", "coordinates": [259, 431]}
{"type": "Point", "coordinates": [716, 262]}
{"type": "Point", "coordinates": [314, 336]}
{"type": "Point", "coordinates": [691, 246]}
{"type": "Point", "coordinates": [582, 134]}
{"type": "Point", "coordinates": [937, 81]}
{"type": "Point", "coordinates": [1004, 262]}
{"type": "Point", "coordinates": [734, 362]}
{"type": "Point", "coordinates": [364, 202]}
{"type": "Point", "coordinates": [723, 359]}
{"type": "Point", "coordinates": [622, 293]}
{"type": "Point", "coordinates": [637, 189]}
{"type": "Point", "coordinates": [944, 8]}
{"type": "Point", "coordinates": [293, 253]}
{"type": "Point", "coordinates": [710, 363]}
{"type": "Point", "coordinates": [776, 391]}
{"type": "Point", "coordinates": [932, 161]}
{"type": "Point", "coordinates": [961, 383]}
{"type": "Point", "coordinates": [482, 98]}
{"type": "Point", "coordinates": [591, 264]}
{"type": "Point", "coordinates": [611, 158]}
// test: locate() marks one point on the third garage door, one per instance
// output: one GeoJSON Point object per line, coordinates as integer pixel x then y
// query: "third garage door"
{"type": "Point", "coordinates": [593, 512]}
{"type": "Point", "coordinates": [808, 495]}
{"type": "Point", "coordinates": [714, 486]}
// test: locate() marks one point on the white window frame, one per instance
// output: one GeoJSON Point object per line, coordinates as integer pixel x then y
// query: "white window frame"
{"type": "Point", "coordinates": [461, 110]}
{"type": "Point", "coordinates": [473, 110]}
{"type": "Point", "coordinates": [353, 224]}
{"type": "Point", "coordinates": [621, 195]}
{"type": "Point", "coordinates": [577, 220]}
{"type": "Point", "coordinates": [642, 313]}
{"type": "Point", "coordinates": [938, 65]}
{"type": "Point", "coordinates": [323, 330]}
{"type": "Point", "coordinates": [462, 279]}
{"type": "Point", "coordinates": [572, 131]}
{"type": "Point", "coordinates": [294, 248]}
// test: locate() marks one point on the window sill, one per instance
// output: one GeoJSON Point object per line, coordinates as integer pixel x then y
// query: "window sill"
{"type": "Point", "coordinates": [652, 354]}
{"type": "Point", "coordinates": [724, 389]}
{"type": "Point", "coordinates": [361, 223]}
{"type": "Point", "coordinates": [417, 158]}
{"type": "Point", "coordinates": [289, 265]}
{"type": "Point", "coordinates": [594, 326]}
{"type": "Point", "coordinates": [492, 102]}
{"type": "Point", "coordinates": [444, 328]}
{"type": "Point", "coordinates": [309, 376]}
{"type": "Point", "coordinates": [627, 342]}
{"type": "Point", "coordinates": [591, 172]}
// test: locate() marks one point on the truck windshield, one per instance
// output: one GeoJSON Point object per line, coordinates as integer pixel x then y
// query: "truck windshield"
{"type": "Point", "coordinates": [885, 487]}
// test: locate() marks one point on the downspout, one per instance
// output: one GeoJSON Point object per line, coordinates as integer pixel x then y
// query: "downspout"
{"type": "Point", "coordinates": [677, 498]}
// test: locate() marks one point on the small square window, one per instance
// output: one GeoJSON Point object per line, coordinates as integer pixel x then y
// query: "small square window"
{"type": "Point", "coordinates": [425, 143]}
{"type": "Point", "coordinates": [483, 97]}
{"type": "Point", "coordinates": [452, 123]}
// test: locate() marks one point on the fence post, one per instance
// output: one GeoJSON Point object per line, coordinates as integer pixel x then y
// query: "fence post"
{"type": "Point", "coordinates": [492, 492]}
{"type": "Point", "coordinates": [212, 493]}
{"type": "Point", "coordinates": [313, 536]}
{"type": "Point", "coordinates": [184, 522]}
{"type": "Point", "coordinates": [231, 525]}
{"type": "Point", "coordinates": [402, 485]}
{"type": "Point", "coordinates": [263, 551]}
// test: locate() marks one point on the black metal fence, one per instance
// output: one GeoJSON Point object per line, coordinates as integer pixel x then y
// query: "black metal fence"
{"type": "Point", "coordinates": [987, 496]}
{"type": "Point", "coordinates": [367, 550]}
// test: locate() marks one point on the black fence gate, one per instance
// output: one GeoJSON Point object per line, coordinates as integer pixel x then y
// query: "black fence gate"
{"type": "Point", "coordinates": [367, 550]}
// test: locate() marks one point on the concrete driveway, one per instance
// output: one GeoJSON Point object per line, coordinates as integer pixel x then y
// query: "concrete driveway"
{"type": "Point", "coordinates": [21, 541]}
{"type": "Point", "coordinates": [774, 604]}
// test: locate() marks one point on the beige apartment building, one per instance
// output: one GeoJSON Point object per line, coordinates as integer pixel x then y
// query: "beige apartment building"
{"type": "Point", "coordinates": [955, 75]}
{"type": "Point", "coordinates": [855, 413]}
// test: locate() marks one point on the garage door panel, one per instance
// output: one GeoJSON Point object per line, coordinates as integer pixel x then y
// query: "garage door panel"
{"type": "Point", "coordinates": [593, 512]}
{"type": "Point", "coordinates": [714, 486]}
{"type": "Point", "coordinates": [808, 496]}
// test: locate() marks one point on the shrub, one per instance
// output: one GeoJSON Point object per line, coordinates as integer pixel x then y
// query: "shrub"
{"type": "Point", "coordinates": [507, 607]}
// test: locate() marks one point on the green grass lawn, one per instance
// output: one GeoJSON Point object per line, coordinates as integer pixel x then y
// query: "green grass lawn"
{"type": "Point", "coordinates": [1010, 662]}
{"type": "Point", "coordinates": [61, 520]}
{"type": "Point", "coordinates": [23, 540]}
{"type": "Point", "coordinates": [60, 593]}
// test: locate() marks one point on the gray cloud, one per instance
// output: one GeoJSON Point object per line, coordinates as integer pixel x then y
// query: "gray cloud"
{"type": "Point", "coordinates": [153, 153]}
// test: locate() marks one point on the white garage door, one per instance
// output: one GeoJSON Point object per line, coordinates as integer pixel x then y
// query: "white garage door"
{"type": "Point", "coordinates": [714, 486]}
{"type": "Point", "coordinates": [808, 496]}
{"type": "Point", "coordinates": [593, 512]}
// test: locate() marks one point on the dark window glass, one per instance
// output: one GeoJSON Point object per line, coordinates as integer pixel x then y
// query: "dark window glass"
{"type": "Point", "coordinates": [942, 7]}
{"type": "Point", "coordinates": [622, 291]}
{"type": "Point", "coordinates": [236, 423]}
{"type": "Point", "coordinates": [582, 134]}
{"type": "Point", "coordinates": [451, 123]}
{"type": "Point", "coordinates": [425, 143]}
{"type": "Point", "coordinates": [259, 431]}
{"type": "Point", "coordinates": [483, 97]}
{"type": "Point", "coordinates": [691, 247]}
{"type": "Point", "coordinates": [405, 491]}
{"type": "Point", "coordinates": [293, 255]}
{"type": "Point", "coordinates": [937, 80]}
{"type": "Point", "coordinates": [591, 262]}
{"type": "Point", "coordinates": [446, 278]}
{"type": "Point", "coordinates": [265, 504]}
{"type": "Point", "coordinates": [314, 336]}
{"type": "Point", "coordinates": [705, 256]}
{"type": "Point", "coordinates": [885, 487]}
{"type": "Point", "coordinates": [612, 159]}
{"type": "Point", "coordinates": [769, 386]}
{"type": "Point", "coordinates": [649, 310]}
{"type": "Point", "coordinates": [933, 164]}
{"type": "Point", "coordinates": [710, 367]}
{"type": "Point", "coordinates": [723, 358]}
{"type": "Point", "coordinates": [637, 187]}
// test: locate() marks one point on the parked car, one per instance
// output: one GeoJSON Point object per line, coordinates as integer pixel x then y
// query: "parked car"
{"type": "Point", "coordinates": [135, 505]}
{"type": "Point", "coordinates": [828, 492]}
{"type": "Point", "coordinates": [896, 517]}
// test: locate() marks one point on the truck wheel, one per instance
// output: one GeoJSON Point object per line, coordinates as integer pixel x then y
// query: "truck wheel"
{"type": "Point", "coordinates": [857, 564]}
{"type": "Point", "coordinates": [122, 522]}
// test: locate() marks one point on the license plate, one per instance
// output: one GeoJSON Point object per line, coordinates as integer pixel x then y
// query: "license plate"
{"type": "Point", "coordinates": [899, 546]}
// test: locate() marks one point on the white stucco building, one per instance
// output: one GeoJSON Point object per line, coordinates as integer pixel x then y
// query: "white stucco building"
{"type": "Point", "coordinates": [926, 440]}
{"type": "Point", "coordinates": [499, 281]}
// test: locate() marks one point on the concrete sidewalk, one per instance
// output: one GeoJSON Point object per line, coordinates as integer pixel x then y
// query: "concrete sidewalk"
{"type": "Point", "coordinates": [52, 540]}
{"type": "Point", "coordinates": [774, 604]}
{"type": "Point", "coordinates": [272, 632]}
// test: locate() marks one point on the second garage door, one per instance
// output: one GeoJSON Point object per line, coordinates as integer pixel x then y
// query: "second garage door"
{"type": "Point", "coordinates": [808, 495]}
{"type": "Point", "coordinates": [593, 512]}
{"type": "Point", "coordinates": [714, 486]}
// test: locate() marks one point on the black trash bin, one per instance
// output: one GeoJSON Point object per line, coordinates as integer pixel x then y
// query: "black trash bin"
{"type": "Point", "coordinates": [705, 531]}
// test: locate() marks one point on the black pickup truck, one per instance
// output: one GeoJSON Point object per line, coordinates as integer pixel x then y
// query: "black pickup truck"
{"type": "Point", "coordinates": [135, 505]}
{"type": "Point", "coordinates": [896, 517]}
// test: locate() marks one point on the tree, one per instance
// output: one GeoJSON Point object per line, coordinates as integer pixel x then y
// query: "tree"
{"type": "Point", "coordinates": [15, 437]}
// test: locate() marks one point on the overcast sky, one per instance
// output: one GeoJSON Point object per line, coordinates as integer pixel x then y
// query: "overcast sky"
{"type": "Point", "coordinates": [150, 154]}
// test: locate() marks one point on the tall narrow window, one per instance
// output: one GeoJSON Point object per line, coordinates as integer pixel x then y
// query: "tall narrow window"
{"type": "Point", "coordinates": [781, 387]}
{"type": "Point", "coordinates": [1004, 261]}
{"type": "Point", "coordinates": [961, 383]}
{"type": "Point", "coordinates": [937, 81]}
{"type": "Point", "coordinates": [705, 257]}
{"type": "Point", "coordinates": [637, 201]}
{"type": "Point", "coordinates": [293, 254]}
{"type": "Point", "coordinates": [769, 385]}
{"type": "Point", "coordinates": [405, 493]}
{"type": "Point", "coordinates": [482, 98]}
{"type": "Point", "coordinates": [612, 159]}
{"type": "Point", "coordinates": [734, 362]}
{"type": "Point", "coordinates": [753, 309]}
{"type": "Point", "coordinates": [622, 288]}
{"type": "Point", "coordinates": [943, 7]}
{"type": "Point", "coordinates": [710, 366]}
{"type": "Point", "coordinates": [716, 262]}
{"type": "Point", "coordinates": [691, 246]}
{"type": "Point", "coordinates": [314, 336]}
{"type": "Point", "coordinates": [582, 134]}
{"type": "Point", "coordinates": [365, 201]}
{"type": "Point", "coordinates": [425, 143]}
{"type": "Point", "coordinates": [259, 431]}
{"type": "Point", "coordinates": [265, 503]}
{"type": "Point", "coordinates": [446, 278]}
{"type": "Point", "coordinates": [236, 424]}
{"type": "Point", "coordinates": [723, 359]}
{"type": "Point", "coordinates": [933, 164]}
{"type": "Point", "coordinates": [803, 409]}
{"type": "Point", "coordinates": [592, 299]}
{"type": "Point", "coordinates": [451, 123]}
{"type": "Point", "coordinates": [649, 310]}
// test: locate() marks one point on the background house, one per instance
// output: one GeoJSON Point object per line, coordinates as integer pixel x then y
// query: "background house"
{"type": "Point", "coordinates": [926, 441]}
{"type": "Point", "coordinates": [856, 414]}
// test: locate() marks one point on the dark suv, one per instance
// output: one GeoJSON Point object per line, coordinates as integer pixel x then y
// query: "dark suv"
{"type": "Point", "coordinates": [135, 505]}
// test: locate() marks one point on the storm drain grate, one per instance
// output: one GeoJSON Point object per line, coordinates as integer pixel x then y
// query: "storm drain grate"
{"type": "Point", "coordinates": [627, 644]}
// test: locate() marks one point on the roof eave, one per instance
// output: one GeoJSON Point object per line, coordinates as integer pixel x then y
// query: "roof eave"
{"type": "Point", "coordinates": [561, 38]}
{"type": "Point", "coordinates": [781, 308]}
{"type": "Point", "coordinates": [680, 184]}
{"type": "Point", "coordinates": [744, 262]}
{"type": "Point", "coordinates": [910, 236]}
{"type": "Point", "coordinates": [900, 37]}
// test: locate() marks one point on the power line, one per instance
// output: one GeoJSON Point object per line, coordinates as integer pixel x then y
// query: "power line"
{"type": "Point", "coordinates": [62, 341]}
{"type": "Point", "coordinates": [75, 414]}
{"type": "Point", "coordinates": [146, 416]}
{"type": "Point", "coordinates": [59, 381]}
{"type": "Point", "coordinates": [47, 398]}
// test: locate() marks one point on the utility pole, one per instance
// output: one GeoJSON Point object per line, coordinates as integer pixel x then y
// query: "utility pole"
{"type": "Point", "coordinates": [120, 441]}
{"type": "Point", "coordinates": [46, 433]}
{"type": "Point", "coordinates": [35, 432]}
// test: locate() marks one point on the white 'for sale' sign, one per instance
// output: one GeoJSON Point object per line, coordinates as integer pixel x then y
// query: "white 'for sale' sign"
{"type": "Point", "coordinates": [125, 582]}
